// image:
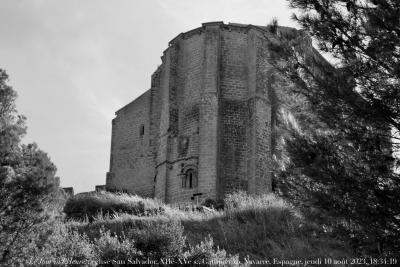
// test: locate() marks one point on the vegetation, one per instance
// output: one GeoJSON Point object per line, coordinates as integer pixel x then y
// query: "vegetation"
{"type": "Point", "coordinates": [27, 180]}
{"type": "Point", "coordinates": [159, 239]}
{"type": "Point", "coordinates": [339, 126]}
{"type": "Point", "coordinates": [263, 227]}
{"type": "Point", "coordinates": [249, 229]}
{"type": "Point", "coordinates": [90, 205]}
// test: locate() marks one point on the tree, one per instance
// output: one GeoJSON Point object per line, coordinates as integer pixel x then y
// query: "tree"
{"type": "Point", "coordinates": [27, 179]}
{"type": "Point", "coordinates": [341, 166]}
{"type": "Point", "coordinates": [364, 36]}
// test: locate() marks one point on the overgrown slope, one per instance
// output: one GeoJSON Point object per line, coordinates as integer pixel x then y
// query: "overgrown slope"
{"type": "Point", "coordinates": [261, 227]}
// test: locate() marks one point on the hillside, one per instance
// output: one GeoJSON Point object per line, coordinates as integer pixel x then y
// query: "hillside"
{"type": "Point", "coordinates": [248, 229]}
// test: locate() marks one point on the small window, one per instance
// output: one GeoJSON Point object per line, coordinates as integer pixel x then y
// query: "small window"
{"type": "Point", "coordinates": [189, 180]}
{"type": "Point", "coordinates": [142, 130]}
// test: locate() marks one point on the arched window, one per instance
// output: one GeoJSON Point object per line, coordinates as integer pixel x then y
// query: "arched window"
{"type": "Point", "coordinates": [189, 179]}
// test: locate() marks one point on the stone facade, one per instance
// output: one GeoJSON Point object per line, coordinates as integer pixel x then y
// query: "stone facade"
{"type": "Point", "coordinates": [203, 129]}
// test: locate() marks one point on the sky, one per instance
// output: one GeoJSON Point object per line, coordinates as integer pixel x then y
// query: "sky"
{"type": "Point", "coordinates": [74, 63]}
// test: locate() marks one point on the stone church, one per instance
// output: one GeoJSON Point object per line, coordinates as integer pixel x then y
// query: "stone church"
{"type": "Point", "coordinates": [203, 129]}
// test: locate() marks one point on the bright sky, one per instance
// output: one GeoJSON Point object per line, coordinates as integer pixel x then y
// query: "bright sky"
{"type": "Point", "coordinates": [75, 62]}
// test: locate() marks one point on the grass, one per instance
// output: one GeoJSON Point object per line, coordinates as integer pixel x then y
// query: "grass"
{"type": "Point", "coordinates": [90, 205]}
{"type": "Point", "coordinates": [258, 227]}
{"type": "Point", "coordinates": [264, 227]}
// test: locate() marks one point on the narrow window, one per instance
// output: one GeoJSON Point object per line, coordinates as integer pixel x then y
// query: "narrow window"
{"type": "Point", "coordinates": [189, 180]}
{"type": "Point", "coordinates": [142, 130]}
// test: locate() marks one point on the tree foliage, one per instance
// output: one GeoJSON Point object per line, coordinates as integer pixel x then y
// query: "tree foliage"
{"type": "Point", "coordinates": [364, 37]}
{"type": "Point", "coordinates": [27, 178]}
{"type": "Point", "coordinates": [340, 167]}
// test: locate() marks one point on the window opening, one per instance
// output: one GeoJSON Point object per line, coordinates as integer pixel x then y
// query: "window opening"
{"type": "Point", "coordinates": [142, 130]}
{"type": "Point", "coordinates": [189, 180]}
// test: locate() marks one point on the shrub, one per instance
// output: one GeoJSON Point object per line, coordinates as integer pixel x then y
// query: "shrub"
{"type": "Point", "coordinates": [205, 254]}
{"type": "Point", "coordinates": [115, 248]}
{"type": "Point", "coordinates": [89, 205]}
{"type": "Point", "coordinates": [66, 246]}
{"type": "Point", "coordinates": [159, 239]}
{"type": "Point", "coordinates": [241, 200]}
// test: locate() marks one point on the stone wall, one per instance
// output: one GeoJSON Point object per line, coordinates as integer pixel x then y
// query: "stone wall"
{"type": "Point", "coordinates": [234, 113]}
{"type": "Point", "coordinates": [132, 166]}
{"type": "Point", "coordinates": [209, 112]}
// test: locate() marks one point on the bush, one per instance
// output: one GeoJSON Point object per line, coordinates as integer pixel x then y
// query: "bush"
{"type": "Point", "coordinates": [204, 254]}
{"type": "Point", "coordinates": [66, 246]}
{"type": "Point", "coordinates": [159, 239]}
{"type": "Point", "coordinates": [89, 205]}
{"type": "Point", "coordinates": [115, 248]}
{"type": "Point", "coordinates": [241, 200]}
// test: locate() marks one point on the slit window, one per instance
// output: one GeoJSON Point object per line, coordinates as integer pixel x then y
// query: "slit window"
{"type": "Point", "coordinates": [141, 131]}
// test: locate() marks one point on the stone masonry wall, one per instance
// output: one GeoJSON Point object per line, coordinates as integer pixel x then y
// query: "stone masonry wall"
{"type": "Point", "coordinates": [132, 166]}
{"type": "Point", "coordinates": [209, 109]}
{"type": "Point", "coordinates": [234, 116]}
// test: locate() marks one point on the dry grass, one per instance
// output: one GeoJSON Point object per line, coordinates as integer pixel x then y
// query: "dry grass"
{"type": "Point", "coordinates": [90, 205]}
{"type": "Point", "coordinates": [256, 226]}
